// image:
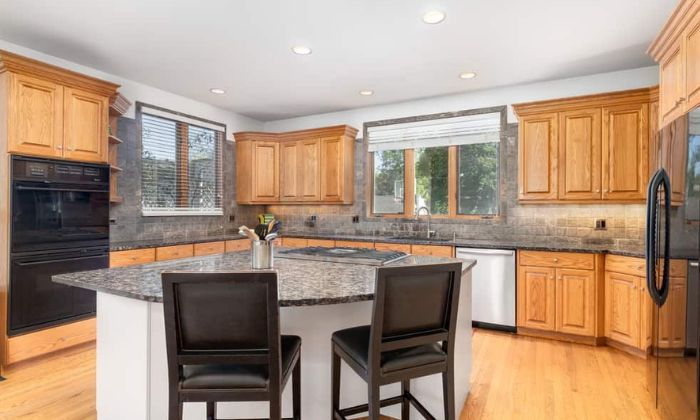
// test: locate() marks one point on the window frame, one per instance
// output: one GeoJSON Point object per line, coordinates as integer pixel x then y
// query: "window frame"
{"type": "Point", "coordinates": [181, 211]}
{"type": "Point", "coordinates": [452, 169]}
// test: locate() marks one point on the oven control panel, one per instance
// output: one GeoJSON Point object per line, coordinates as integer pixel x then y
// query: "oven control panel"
{"type": "Point", "coordinates": [27, 169]}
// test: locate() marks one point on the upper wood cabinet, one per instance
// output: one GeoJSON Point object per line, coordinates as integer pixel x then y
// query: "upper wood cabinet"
{"type": "Point", "coordinates": [309, 166]}
{"type": "Point", "coordinates": [677, 50]}
{"type": "Point", "coordinates": [579, 154]}
{"type": "Point", "coordinates": [625, 153]}
{"type": "Point", "coordinates": [53, 112]}
{"type": "Point", "coordinates": [585, 149]}
{"type": "Point", "coordinates": [537, 156]}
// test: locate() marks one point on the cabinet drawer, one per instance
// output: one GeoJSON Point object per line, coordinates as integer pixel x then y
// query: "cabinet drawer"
{"type": "Point", "coordinates": [556, 259]}
{"type": "Point", "coordinates": [626, 265]}
{"type": "Point", "coordinates": [237, 245]}
{"type": "Point", "coordinates": [209, 248]}
{"type": "Point", "coordinates": [294, 242]}
{"type": "Point", "coordinates": [174, 252]}
{"type": "Point", "coordinates": [381, 246]}
{"type": "Point", "coordinates": [354, 244]}
{"type": "Point", "coordinates": [432, 250]}
{"type": "Point", "coordinates": [325, 243]}
{"type": "Point", "coordinates": [131, 257]}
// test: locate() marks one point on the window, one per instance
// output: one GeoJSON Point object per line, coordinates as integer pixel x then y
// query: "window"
{"type": "Point", "coordinates": [449, 165]}
{"type": "Point", "coordinates": [180, 164]}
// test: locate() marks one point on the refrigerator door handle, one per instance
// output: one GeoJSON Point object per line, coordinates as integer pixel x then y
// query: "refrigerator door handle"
{"type": "Point", "coordinates": [659, 179]}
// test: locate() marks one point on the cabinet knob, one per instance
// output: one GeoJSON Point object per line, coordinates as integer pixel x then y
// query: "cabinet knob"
{"type": "Point", "coordinates": [71, 149]}
{"type": "Point", "coordinates": [598, 190]}
{"type": "Point", "coordinates": [560, 277]}
{"type": "Point", "coordinates": [59, 147]}
{"type": "Point", "coordinates": [556, 260]}
{"type": "Point", "coordinates": [634, 287]}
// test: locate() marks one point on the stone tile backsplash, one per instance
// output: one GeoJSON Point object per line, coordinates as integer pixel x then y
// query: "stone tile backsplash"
{"type": "Point", "coordinates": [522, 222]}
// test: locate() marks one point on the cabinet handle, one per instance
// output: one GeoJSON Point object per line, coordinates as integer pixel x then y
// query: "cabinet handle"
{"type": "Point", "coordinates": [59, 147]}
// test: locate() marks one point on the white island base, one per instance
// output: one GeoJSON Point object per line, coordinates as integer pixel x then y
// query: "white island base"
{"type": "Point", "coordinates": [132, 376]}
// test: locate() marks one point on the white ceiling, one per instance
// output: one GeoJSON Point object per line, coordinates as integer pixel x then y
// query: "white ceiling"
{"type": "Point", "coordinates": [243, 46]}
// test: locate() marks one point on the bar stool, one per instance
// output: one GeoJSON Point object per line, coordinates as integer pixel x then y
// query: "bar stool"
{"type": "Point", "coordinates": [223, 342]}
{"type": "Point", "coordinates": [411, 335]}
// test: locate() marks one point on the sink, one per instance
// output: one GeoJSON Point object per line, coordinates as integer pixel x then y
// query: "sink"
{"type": "Point", "coordinates": [418, 238]}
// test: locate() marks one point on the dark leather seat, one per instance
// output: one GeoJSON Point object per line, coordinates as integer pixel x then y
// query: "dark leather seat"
{"type": "Point", "coordinates": [238, 376]}
{"type": "Point", "coordinates": [355, 341]}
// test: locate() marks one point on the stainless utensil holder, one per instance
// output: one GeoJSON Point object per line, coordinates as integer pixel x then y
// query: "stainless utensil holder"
{"type": "Point", "coordinates": [261, 253]}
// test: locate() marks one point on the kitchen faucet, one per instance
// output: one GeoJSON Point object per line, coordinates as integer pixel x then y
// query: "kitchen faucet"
{"type": "Point", "coordinates": [430, 233]}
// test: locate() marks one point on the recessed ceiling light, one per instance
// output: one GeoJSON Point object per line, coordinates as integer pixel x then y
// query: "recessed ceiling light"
{"type": "Point", "coordinates": [467, 75]}
{"type": "Point", "coordinates": [301, 50]}
{"type": "Point", "coordinates": [366, 92]}
{"type": "Point", "coordinates": [434, 16]}
{"type": "Point", "coordinates": [217, 91]}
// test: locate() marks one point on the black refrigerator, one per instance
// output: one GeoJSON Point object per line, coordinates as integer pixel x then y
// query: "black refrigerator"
{"type": "Point", "coordinates": [672, 252]}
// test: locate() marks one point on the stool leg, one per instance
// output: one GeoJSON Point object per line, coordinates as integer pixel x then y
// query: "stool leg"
{"type": "Point", "coordinates": [174, 406]}
{"type": "Point", "coordinates": [296, 389]}
{"type": "Point", "coordinates": [335, 382]}
{"type": "Point", "coordinates": [211, 411]}
{"type": "Point", "coordinates": [276, 406]}
{"type": "Point", "coordinates": [405, 404]}
{"type": "Point", "coordinates": [373, 394]}
{"type": "Point", "coordinates": [448, 391]}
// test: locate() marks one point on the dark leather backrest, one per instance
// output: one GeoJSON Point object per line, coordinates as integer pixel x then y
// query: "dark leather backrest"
{"type": "Point", "coordinates": [219, 312]}
{"type": "Point", "coordinates": [415, 300]}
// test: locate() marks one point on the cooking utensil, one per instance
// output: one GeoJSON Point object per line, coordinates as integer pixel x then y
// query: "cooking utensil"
{"type": "Point", "coordinates": [245, 230]}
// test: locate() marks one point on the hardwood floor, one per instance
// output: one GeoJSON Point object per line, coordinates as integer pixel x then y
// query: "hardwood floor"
{"type": "Point", "coordinates": [513, 378]}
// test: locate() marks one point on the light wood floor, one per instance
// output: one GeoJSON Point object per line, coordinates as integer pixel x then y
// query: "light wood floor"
{"type": "Point", "coordinates": [513, 378]}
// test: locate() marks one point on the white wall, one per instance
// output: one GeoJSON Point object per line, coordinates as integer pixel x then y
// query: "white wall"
{"type": "Point", "coordinates": [135, 91]}
{"type": "Point", "coordinates": [507, 95]}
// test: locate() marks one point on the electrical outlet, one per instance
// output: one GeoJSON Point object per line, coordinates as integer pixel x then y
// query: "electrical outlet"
{"type": "Point", "coordinates": [600, 224]}
{"type": "Point", "coordinates": [231, 217]}
{"type": "Point", "coordinates": [312, 218]}
{"type": "Point", "coordinates": [356, 219]}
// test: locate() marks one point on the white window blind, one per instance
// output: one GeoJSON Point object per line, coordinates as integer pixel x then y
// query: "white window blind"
{"type": "Point", "coordinates": [467, 129]}
{"type": "Point", "coordinates": [181, 162]}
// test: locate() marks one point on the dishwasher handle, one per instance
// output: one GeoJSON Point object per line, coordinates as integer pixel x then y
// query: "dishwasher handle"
{"type": "Point", "coordinates": [485, 252]}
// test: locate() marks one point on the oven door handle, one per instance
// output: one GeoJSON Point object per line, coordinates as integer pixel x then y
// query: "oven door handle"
{"type": "Point", "coordinates": [87, 257]}
{"type": "Point", "coordinates": [23, 188]}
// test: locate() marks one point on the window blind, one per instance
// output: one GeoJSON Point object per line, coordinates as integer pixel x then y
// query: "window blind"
{"type": "Point", "coordinates": [181, 165]}
{"type": "Point", "coordinates": [467, 129]}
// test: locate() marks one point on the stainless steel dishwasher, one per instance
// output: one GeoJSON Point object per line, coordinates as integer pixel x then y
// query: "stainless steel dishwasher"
{"type": "Point", "coordinates": [493, 287]}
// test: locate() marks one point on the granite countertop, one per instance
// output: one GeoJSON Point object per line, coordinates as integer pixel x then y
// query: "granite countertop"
{"type": "Point", "coordinates": [301, 282]}
{"type": "Point", "coordinates": [553, 245]}
{"type": "Point", "coordinates": [153, 243]}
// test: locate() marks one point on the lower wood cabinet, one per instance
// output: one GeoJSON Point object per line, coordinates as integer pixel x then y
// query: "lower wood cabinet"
{"type": "Point", "coordinates": [165, 253]}
{"type": "Point", "coordinates": [556, 295]}
{"type": "Point", "coordinates": [623, 308]}
{"type": "Point", "coordinates": [433, 250]}
{"type": "Point", "coordinates": [131, 257]}
{"type": "Point", "coordinates": [209, 248]}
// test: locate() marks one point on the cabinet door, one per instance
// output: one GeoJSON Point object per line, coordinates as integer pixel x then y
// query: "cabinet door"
{"type": "Point", "coordinates": [265, 171]}
{"type": "Point", "coordinates": [622, 308]}
{"type": "Point", "coordinates": [675, 158]}
{"type": "Point", "coordinates": [672, 316]}
{"type": "Point", "coordinates": [575, 301]}
{"type": "Point", "coordinates": [36, 117]}
{"type": "Point", "coordinates": [310, 169]}
{"type": "Point", "coordinates": [537, 157]}
{"type": "Point", "coordinates": [85, 126]}
{"type": "Point", "coordinates": [646, 326]}
{"type": "Point", "coordinates": [625, 152]}
{"type": "Point", "coordinates": [289, 171]}
{"type": "Point", "coordinates": [692, 63]}
{"type": "Point", "coordinates": [671, 85]}
{"type": "Point", "coordinates": [332, 169]}
{"type": "Point", "coordinates": [536, 297]}
{"type": "Point", "coordinates": [579, 154]}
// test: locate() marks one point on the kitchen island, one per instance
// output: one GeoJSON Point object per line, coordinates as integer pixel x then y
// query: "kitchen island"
{"type": "Point", "coordinates": [316, 299]}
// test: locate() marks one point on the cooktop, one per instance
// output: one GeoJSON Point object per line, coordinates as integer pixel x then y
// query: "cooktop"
{"type": "Point", "coordinates": [362, 256]}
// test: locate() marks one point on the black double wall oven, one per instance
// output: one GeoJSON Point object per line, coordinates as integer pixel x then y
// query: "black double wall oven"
{"type": "Point", "coordinates": [59, 224]}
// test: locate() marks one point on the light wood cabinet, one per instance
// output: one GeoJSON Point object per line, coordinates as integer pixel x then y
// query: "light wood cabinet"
{"type": "Point", "coordinates": [237, 245]}
{"type": "Point", "coordinates": [309, 166]}
{"type": "Point", "coordinates": [85, 126]}
{"type": "Point", "coordinates": [625, 152]}
{"type": "Point", "coordinates": [174, 252]}
{"type": "Point", "coordinates": [266, 171]}
{"type": "Point", "coordinates": [324, 243]}
{"type": "Point", "coordinates": [381, 246]}
{"type": "Point", "coordinates": [36, 119]}
{"type": "Point", "coordinates": [677, 50]}
{"type": "Point", "coordinates": [585, 149]}
{"type": "Point", "coordinates": [536, 297]}
{"type": "Point", "coordinates": [53, 112]}
{"type": "Point", "coordinates": [622, 314]}
{"type": "Point", "coordinates": [433, 250]}
{"type": "Point", "coordinates": [560, 292]}
{"type": "Point", "coordinates": [209, 248]}
{"type": "Point", "coordinates": [354, 244]}
{"type": "Point", "coordinates": [537, 157]}
{"type": "Point", "coordinates": [579, 154]}
{"type": "Point", "coordinates": [131, 257]}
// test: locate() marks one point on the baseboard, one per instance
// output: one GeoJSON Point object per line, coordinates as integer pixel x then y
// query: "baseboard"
{"type": "Point", "coordinates": [495, 327]}
{"type": "Point", "coordinates": [39, 343]}
{"type": "Point", "coordinates": [571, 338]}
{"type": "Point", "coordinates": [627, 348]}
